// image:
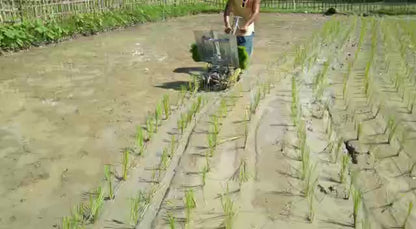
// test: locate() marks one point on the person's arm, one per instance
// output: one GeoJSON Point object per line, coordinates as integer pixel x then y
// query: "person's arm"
{"type": "Point", "coordinates": [227, 13]}
{"type": "Point", "coordinates": [254, 14]}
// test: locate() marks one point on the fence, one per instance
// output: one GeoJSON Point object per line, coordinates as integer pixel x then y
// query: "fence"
{"type": "Point", "coordinates": [17, 10]}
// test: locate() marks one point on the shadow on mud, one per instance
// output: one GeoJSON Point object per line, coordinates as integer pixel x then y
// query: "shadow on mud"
{"type": "Point", "coordinates": [175, 85]}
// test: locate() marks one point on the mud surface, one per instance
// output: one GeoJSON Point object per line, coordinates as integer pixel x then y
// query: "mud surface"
{"type": "Point", "coordinates": [68, 109]}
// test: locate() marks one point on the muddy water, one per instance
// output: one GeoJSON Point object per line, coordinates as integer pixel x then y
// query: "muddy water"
{"type": "Point", "coordinates": [67, 109]}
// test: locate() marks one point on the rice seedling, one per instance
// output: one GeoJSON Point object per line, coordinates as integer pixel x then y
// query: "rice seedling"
{"type": "Point", "coordinates": [158, 116]}
{"type": "Point", "coordinates": [204, 174]}
{"type": "Point", "coordinates": [310, 180]}
{"type": "Point", "coordinates": [166, 106]}
{"type": "Point", "coordinates": [107, 173]}
{"type": "Point", "coordinates": [134, 209]}
{"type": "Point", "coordinates": [344, 165]}
{"type": "Point", "coordinates": [189, 204]}
{"type": "Point", "coordinates": [212, 143]}
{"type": "Point", "coordinates": [223, 108]}
{"type": "Point", "coordinates": [78, 214]}
{"type": "Point", "coordinates": [356, 198]}
{"type": "Point", "coordinates": [359, 130]}
{"type": "Point", "coordinates": [182, 94]}
{"type": "Point", "coordinates": [125, 163]}
{"type": "Point", "coordinates": [67, 223]}
{"type": "Point", "coordinates": [198, 104]}
{"type": "Point", "coordinates": [150, 127]}
{"type": "Point", "coordinates": [392, 131]}
{"type": "Point", "coordinates": [228, 208]}
{"type": "Point", "coordinates": [254, 101]}
{"type": "Point", "coordinates": [172, 145]}
{"type": "Point", "coordinates": [245, 133]}
{"type": "Point", "coordinates": [95, 205]}
{"type": "Point", "coordinates": [164, 159]}
{"type": "Point", "coordinates": [140, 140]}
{"type": "Point", "coordinates": [215, 124]}
{"type": "Point", "coordinates": [305, 157]}
{"type": "Point", "coordinates": [365, 222]}
{"type": "Point", "coordinates": [310, 199]}
{"type": "Point", "coordinates": [409, 211]}
{"type": "Point", "coordinates": [172, 221]}
{"type": "Point", "coordinates": [337, 150]}
{"type": "Point", "coordinates": [207, 160]}
{"type": "Point", "coordinates": [243, 175]}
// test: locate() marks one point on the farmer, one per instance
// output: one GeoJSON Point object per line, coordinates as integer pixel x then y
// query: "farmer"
{"type": "Point", "coordinates": [248, 10]}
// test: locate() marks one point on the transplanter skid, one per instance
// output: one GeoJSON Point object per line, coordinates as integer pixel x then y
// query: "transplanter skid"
{"type": "Point", "coordinates": [220, 51]}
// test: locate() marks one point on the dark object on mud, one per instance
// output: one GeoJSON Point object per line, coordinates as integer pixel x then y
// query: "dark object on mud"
{"type": "Point", "coordinates": [330, 11]}
{"type": "Point", "coordinates": [195, 54]}
{"type": "Point", "coordinates": [351, 151]}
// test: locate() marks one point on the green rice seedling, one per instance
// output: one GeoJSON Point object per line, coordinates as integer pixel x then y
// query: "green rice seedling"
{"type": "Point", "coordinates": [215, 124]}
{"type": "Point", "coordinates": [125, 163]}
{"type": "Point", "coordinates": [172, 145]}
{"type": "Point", "coordinates": [254, 101]}
{"type": "Point", "coordinates": [78, 214]}
{"type": "Point", "coordinates": [96, 203]}
{"type": "Point", "coordinates": [196, 84]}
{"type": "Point", "coordinates": [67, 223]}
{"type": "Point", "coordinates": [150, 127]}
{"type": "Point", "coordinates": [310, 180]}
{"type": "Point", "coordinates": [223, 108]}
{"type": "Point", "coordinates": [172, 221]}
{"type": "Point", "coordinates": [356, 198]}
{"type": "Point", "coordinates": [344, 165]}
{"type": "Point", "coordinates": [207, 160]}
{"type": "Point", "coordinates": [243, 175]}
{"type": "Point", "coordinates": [107, 173]}
{"type": "Point", "coordinates": [305, 157]}
{"type": "Point", "coordinates": [359, 130]}
{"type": "Point", "coordinates": [190, 204]}
{"type": "Point", "coordinates": [182, 94]}
{"type": "Point", "coordinates": [310, 198]}
{"type": "Point", "coordinates": [166, 106]}
{"type": "Point", "coordinates": [140, 140]}
{"type": "Point", "coordinates": [392, 132]}
{"type": "Point", "coordinates": [164, 159]}
{"type": "Point", "coordinates": [409, 211]}
{"type": "Point", "coordinates": [212, 143]}
{"type": "Point", "coordinates": [204, 174]}
{"type": "Point", "coordinates": [198, 104]}
{"type": "Point", "coordinates": [245, 133]}
{"type": "Point", "coordinates": [134, 209]}
{"type": "Point", "coordinates": [228, 208]}
{"type": "Point", "coordinates": [158, 116]}
{"type": "Point", "coordinates": [365, 222]}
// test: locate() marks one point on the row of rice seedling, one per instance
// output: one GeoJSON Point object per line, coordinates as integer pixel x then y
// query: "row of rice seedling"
{"type": "Point", "coordinates": [88, 213]}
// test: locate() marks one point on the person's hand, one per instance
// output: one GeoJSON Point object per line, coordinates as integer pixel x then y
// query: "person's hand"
{"type": "Point", "coordinates": [227, 29]}
{"type": "Point", "coordinates": [243, 29]}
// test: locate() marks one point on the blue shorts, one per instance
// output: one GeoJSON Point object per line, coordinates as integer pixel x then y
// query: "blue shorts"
{"type": "Point", "coordinates": [246, 41]}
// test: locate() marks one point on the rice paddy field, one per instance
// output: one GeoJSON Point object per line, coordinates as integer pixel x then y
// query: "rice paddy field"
{"type": "Point", "coordinates": [111, 131]}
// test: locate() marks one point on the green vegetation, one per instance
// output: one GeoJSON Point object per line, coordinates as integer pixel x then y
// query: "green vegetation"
{"type": "Point", "coordinates": [140, 140]}
{"type": "Point", "coordinates": [95, 205]}
{"type": "Point", "coordinates": [229, 209]}
{"type": "Point", "coordinates": [344, 166]}
{"type": "Point", "coordinates": [409, 212]}
{"type": "Point", "coordinates": [107, 173]}
{"type": "Point", "coordinates": [189, 204]}
{"type": "Point", "coordinates": [125, 163]}
{"type": "Point", "coordinates": [166, 106]}
{"type": "Point", "coordinates": [356, 198]}
{"type": "Point", "coordinates": [34, 32]}
{"type": "Point", "coordinates": [243, 57]}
